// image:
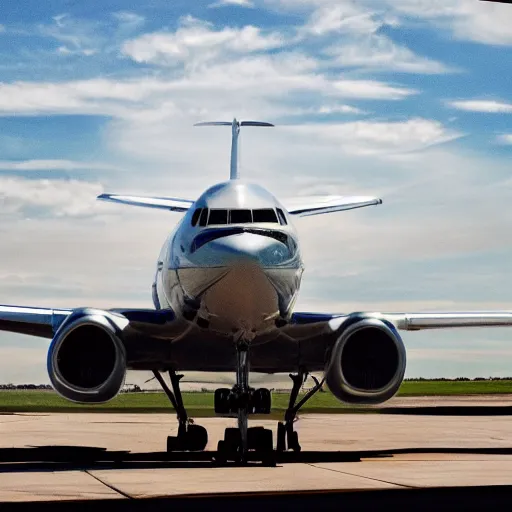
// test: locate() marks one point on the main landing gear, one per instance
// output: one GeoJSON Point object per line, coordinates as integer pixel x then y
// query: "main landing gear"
{"type": "Point", "coordinates": [243, 443]}
{"type": "Point", "coordinates": [190, 437]}
{"type": "Point", "coordinates": [286, 435]}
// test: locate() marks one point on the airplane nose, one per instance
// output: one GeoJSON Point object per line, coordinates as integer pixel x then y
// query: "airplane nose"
{"type": "Point", "coordinates": [266, 251]}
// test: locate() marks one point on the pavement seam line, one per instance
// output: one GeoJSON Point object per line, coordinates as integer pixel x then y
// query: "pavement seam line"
{"type": "Point", "coordinates": [112, 487]}
{"type": "Point", "coordinates": [362, 476]}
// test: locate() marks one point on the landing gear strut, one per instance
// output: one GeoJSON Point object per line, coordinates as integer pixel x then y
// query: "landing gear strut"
{"type": "Point", "coordinates": [242, 401]}
{"type": "Point", "coordinates": [286, 435]}
{"type": "Point", "coordinates": [190, 437]}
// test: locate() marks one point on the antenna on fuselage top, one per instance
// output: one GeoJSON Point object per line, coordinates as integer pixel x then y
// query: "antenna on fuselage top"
{"type": "Point", "coordinates": [235, 127]}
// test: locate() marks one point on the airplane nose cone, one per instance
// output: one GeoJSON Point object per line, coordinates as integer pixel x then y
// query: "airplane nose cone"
{"type": "Point", "coordinates": [245, 247]}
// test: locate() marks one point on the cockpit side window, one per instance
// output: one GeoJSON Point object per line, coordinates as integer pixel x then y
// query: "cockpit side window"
{"type": "Point", "coordinates": [282, 218]}
{"type": "Point", "coordinates": [240, 216]}
{"type": "Point", "coordinates": [195, 216]}
{"type": "Point", "coordinates": [264, 215]}
{"type": "Point", "coordinates": [204, 217]}
{"type": "Point", "coordinates": [218, 217]}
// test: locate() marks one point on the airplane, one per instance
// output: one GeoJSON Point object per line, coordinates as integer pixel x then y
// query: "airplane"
{"type": "Point", "coordinates": [224, 290]}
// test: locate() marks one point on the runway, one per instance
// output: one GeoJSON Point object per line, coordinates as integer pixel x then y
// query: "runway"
{"type": "Point", "coordinates": [93, 456]}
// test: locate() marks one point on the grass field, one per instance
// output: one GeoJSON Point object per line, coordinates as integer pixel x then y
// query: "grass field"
{"type": "Point", "coordinates": [201, 404]}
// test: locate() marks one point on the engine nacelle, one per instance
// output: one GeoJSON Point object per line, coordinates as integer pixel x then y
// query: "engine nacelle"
{"type": "Point", "coordinates": [87, 358]}
{"type": "Point", "coordinates": [367, 363]}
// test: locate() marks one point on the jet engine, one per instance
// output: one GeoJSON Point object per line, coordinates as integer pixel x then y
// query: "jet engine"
{"type": "Point", "coordinates": [87, 358]}
{"type": "Point", "coordinates": [367, 363]}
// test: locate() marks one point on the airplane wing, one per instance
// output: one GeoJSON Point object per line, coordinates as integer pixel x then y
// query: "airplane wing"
{"type": "Point", "coordinates": [42, 322]}
{"type": "Point", "coordinates": [328, 204]}
{"type": "Point", "coordinates": [164, 203]}
{"type": "Point", "coordinates": [418, 321]}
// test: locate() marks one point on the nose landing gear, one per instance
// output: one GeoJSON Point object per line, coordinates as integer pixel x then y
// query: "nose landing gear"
{"type": "Point", "coordinates": [243, 443]}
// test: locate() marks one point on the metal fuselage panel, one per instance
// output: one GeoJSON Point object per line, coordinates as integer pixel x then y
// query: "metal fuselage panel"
{"type": "Point", "coordinates": [238, 278]}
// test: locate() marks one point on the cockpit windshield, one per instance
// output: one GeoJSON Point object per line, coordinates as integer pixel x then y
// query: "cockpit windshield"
{"type": "Point", "coordinates": [217, 216]}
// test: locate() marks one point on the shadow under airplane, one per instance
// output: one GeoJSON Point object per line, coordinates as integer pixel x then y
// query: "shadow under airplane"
{"type": "Point", "coordinates": [72, 458]}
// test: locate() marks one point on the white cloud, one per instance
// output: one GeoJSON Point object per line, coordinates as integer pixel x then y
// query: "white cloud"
{"type": "Point", "coordinates": [371, 137]}
{"type": "Point", "coordinates": [379, 52]}
{"type": "Point", "coordinates": [54, 165]}
{"type": "Point", "coordinates": [370, 89]}
{"type": "Point", "coordinates": [198, 41]}
{"type": "Point", "coordinates": [263, 83]}
{"type": "Point", "coordinates": [240, 3]}
{"type": "Point", "coordinates": [79, 36]}
{"type": "Point", "coordinates": [490, 106]}
{"type": "Point", "coordinates": [128, 18]}
{"type": "Point", "coordinates": [482, 22]}
{"type": "Point", "coordinates": [478, 21]}
{"type": "Point", "coordinates": [337, 109]}
{"type": "Point", "coordinates": [58, 198]}
{"type": "Point", "coordinates": [506, 138]}
{"type": "Point", "coordinates": [95, 96]}
{"type": "Point", "coordinates": [345, 17]}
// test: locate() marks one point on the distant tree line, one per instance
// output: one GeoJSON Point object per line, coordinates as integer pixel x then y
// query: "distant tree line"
{"type": "Point", "coordinates": [457, 379]}
{"type": "Point", "coordinates": [134, 388]}
{"type": "Point", "coordinates": [25, 386]}
{"type": "Point", "coordinates": [130, 388]}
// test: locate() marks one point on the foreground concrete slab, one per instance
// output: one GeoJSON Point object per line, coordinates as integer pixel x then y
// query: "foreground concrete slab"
{"type": "Point", "coordinates": [296, 477]}
{"type": "Point", "coordinates": [72, 485]}
{"type": "Point", "coordinates": [98, 456]}
{"type": "Point", "coordinates": [432, 473]}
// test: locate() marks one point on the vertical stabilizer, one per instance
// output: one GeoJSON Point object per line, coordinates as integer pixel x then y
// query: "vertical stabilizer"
{"type": "Point", "coordinates": [235, 129]}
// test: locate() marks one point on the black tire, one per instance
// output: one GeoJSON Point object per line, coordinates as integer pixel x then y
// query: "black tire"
{"type": "Point", "coordinates": [254, 435]}
{"type": "Point", "coordinates": [232, 437]}
{"type": "Point", "coordinates": [221, 401]}
{"type": "Point", "coordinates": [269, 460]}
{"type": "Point", "coordinates": [173, 444]}
{"type": "Point", "coordinates": [266, 441]}
{"type": "Point", "coordinates": [196, 438]}
{"type": "Point", "coordinates": [231, 445]}
{"type": "Point", "coordinates": [262, 401]}
{"type": "Point", "coordinates": [220, 456]}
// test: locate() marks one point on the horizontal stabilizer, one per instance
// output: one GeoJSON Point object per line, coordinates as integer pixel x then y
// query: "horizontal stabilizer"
{"type": "Point", "coordinates": [214, 123]}
{"type": "Point", "coordinates": [255, 123]}
{"type": "Point", "coordinates": [314, 206]}
{"type": "Point", "coordinates": [230, 123]}
{"type": "Point", "coordinates": [164, 203]}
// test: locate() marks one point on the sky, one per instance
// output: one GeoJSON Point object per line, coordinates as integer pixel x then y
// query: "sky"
{"type": "Point", "coordinates": [407, 100]}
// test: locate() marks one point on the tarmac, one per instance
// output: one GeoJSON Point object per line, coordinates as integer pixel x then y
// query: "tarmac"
{"type": "Point", "coordinates": [95, 456]}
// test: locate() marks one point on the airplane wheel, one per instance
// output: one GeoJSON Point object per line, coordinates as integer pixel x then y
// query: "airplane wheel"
{"type": "Point", "coordinates": [228, 449]}
{"type": "Point", "coordinates": [269, 460]}
{"type": "Point", "coordinates": [196, 438]}
{"type": "Point", "coordinates": [262, 401]}
{"type": "Point", "coordinates": [221, 401]}
{"type": "Point", "coordinates": [261, 439]}
{"type": "Point", "coordinates": [254, 436]}
{"type": "Point", "coordinates": [220, 457]}
{"type": "Point", "coordinates": [173, 444]}
{"type": "Point", "coordinates": [232, 437]}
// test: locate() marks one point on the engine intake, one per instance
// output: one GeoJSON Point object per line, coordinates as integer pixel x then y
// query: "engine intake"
{"type": "Point", "coordinates": [87, 359]}
{"type": "Point", "coordinates": [367, 364]}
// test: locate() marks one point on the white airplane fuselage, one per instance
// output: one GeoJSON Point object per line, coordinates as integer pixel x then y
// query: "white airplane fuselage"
{"type": "Point", "coordinates": [232, 263]}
